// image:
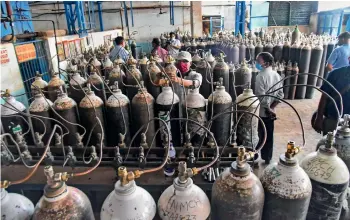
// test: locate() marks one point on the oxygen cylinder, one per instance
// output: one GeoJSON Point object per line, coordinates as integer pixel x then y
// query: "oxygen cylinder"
{"type": "Point", "coordinates": [210, 45]}
{"type": "Point", "coordinates": [54, 86]}
{"type": "Point", "coordinates": [183, 200]}
{"type": "Point", "coordinates": [261, 33]}
{"type": "Point", "coordinates": [259, 48]}
{"type": "Point", "coordinates": [196, 59]}
{"type": "Point", "coordinates": [323, 64]}
{"type": "Point", "coordinates": [330, 48]}
{"type": "Point", "coordinates": [90, 107]}
{"type": "Point", "coordinates": [255, 73]}
{"type": "Point", "coordinates": [201, 46]}
{"type": "Point", "coordinates": [133, 77]}
{"type": "Point", "coordinates": [167, 107]}
{"type": "Point", "coordinates": [288, 72]}
{"type": "Point", "coordinates": [330, 179]}
{"type": "Point", "coordinates": [237, 193]}
{"type": "Point", "coordinates": [342, 140]}
{"type": "Point", "coordinates": [286, 52]}
{"type": "Point", "coordinates": [232, 88]}
{"type": "Point", "coordinates": [96, 64]}
{"type": "Point", "coordinates": [75, 90]}
{"type": "Point", "coordinates": [229, 53]}
{"type": "Point", "coordinates": [220, 101]}
{"type": "Point", "coordinates": [193, 45]}
{"type": "Point", "coordinates": [315, 62]}
{"type": "Point", "coordinates": [243, 78]}
{"type": "Point", "coordinates": [204, 68]}
{"type": "Point", "coordinates": [187, 45]}
{"type": "Point", "coordinates": [294, 55]}
{"type": "Point", "coordinates": [280, 70]}
{"type": "Point", "coordinates": [268, 48]}
{"type": "Point", "coordinates": [293, 80]}
{"type": "Point", "coordinates": [247, 128]}
{"type": "Point", "coordinates": [38, 83]}
{"type": "Point", "coordinates": [15, 206]}
{"type": "Point", "coordinates": [97, 85]}
{"type": "Point", "coordinates": [242, 52]}
{"type": "Point", "coordinates": [143, 63]}
{"type": "Point", "coordinates": [128, 201]}
{"type": "Point", "coordinates": [117, 75]}
{"type": "Point", "coordinates": [235, 54]}
{"type": "Point", "coordinates": [277, 52]}
{"type": "Point", "coordinates": [61, 201]}
{"type": "Point", "coordinates": [12, 107]}
{"type": "Point", "coordinates": [196, 110]}
{"type": "Point", "coordinates": [133, 48]}
{"type": "Point", "coordinates": [221, 70]}
{"type": "Point", "coordinates": [304, 64]}
{"type": "Point", "coordinates": [210, 59]}
{"type": "Point", "coordinates": [41, 107]}
{"type": "Point", "coordinates": [149, 79]}
{"type": "Point", "coordinates": [107, 67]}
{"type": "Point", "coordinates": [117, 112]}
{"type": "Point", "coordinates": [142, 109]}
{"type": "Point", "coordinates": [250, 52]}
{"type": "Point", "coordinates": [287, 188]}
{"type": "Point", "coordinates": [120, 62]}
{"type": "Point", "coordinates": [296, 35]}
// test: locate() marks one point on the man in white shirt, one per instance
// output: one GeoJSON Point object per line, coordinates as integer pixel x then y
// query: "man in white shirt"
{"type": "Point", "coordinates": [174, 45]}
{"type": "Point", "coordinates": [264, 81]}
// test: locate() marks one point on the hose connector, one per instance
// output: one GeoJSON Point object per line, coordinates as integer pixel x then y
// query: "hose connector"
{"type": "Point", "coordinates": [292, 150]}
{"type": "Point", "coordinates": [126, 177]}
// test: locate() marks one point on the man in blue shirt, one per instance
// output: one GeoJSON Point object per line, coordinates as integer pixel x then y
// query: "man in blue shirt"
{"type": "Point", "coordinates": [119, 50]}
{"type": "Point", "coordinates": [326, 119]}
{"type": "Point", "coordinates": [339, 56]}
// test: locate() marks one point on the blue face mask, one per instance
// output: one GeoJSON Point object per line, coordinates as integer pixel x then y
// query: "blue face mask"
{"type": "Point", "coordinates": [258, 66]}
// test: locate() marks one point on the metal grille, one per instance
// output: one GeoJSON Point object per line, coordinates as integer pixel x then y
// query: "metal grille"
{"type": "Point", "coordinates": [40, 63]}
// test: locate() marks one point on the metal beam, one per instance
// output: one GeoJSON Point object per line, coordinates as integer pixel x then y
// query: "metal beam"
{"type": "Point", "coordinates": [99, 7]}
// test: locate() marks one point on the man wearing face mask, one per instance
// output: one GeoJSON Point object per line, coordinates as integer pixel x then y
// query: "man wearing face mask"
{"type": "Point", "coordinates": [264, 81]}
{"type": "Point", "coordinates": [174, 45]}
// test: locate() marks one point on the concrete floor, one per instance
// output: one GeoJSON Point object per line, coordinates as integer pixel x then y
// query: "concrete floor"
{"type": "Point", "coordinates": [287, 127]}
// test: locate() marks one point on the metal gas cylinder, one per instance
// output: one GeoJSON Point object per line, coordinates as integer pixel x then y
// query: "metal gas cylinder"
{"type": "Point", "coordinates": [295, 35]}
{"type": "Point", "coordinates": [259, 48]}
{"type": "Point", "coordinates": [287, 188]}
{"type": "Point", "coordinates": [128, 201]}
{"type": "Point", "coordinates": [195, 106]}
{"type": "Point", "coordinates": [323, 63]}
{"type": "Point", "coordinates": [243, 76]}
{"type": "Point", "coordinates": [342, 140]}
{"type": "Point", "coordinates": [229, 53]}
{"type": "Point", "coordinates": [167, 107]}
{"type": "Point", "coordinates": [250, 52]}
{"type": "Point", "coordinates": [220, 101]}
{"type": "Point", "coordinates": [77, 83]}
{"type": "Point", "coordinates": [232, 88]}
{"type": "Point", "coordinates": [150, 77]}
{"type": "Point", "coordinates": [242, 52]}
{"type": "Point", "coordinates": [67, 109]}
{"type": "Point", "coordinates": [133, 77]}
{"type": "Point", "coordinates": [221, 70]}
{"type": "Point", "coordinates": [210, 45]}
{"type": "Point", "coordinates": [201, 45]}
{"type": "Point", "coordinates": [117, 75]}
{"type": "Point", "coordinates": [96, 64]}
{"type": "Point", "coordinates": [72, 66]}
{"type": "Point", "coordinates": [210, 59]}
{"type": "Point", "coordinates": [237, 193]}
{"type": "Point", "coordinates": [280, 70]}
{"type": "Point", "coordinates": [117, 113]}
{"type": "Point", "coordinates": [90, 107]}
{"type": "Point", "coordinates": [97, 85]}
{"type": "Point", "coordinates": [268, 47]}
{"type": "Point", "coordinates": [61, 201]}
{"type": "Point", "coordinates": [142, 109]}
{"type": "Point", "coordinates": [158, 59]}
{"type": "Point", "coordinates": [41, 107]}
{"type": "Point", "coordinates": [293, 80]}
{"type": "Point", "coordinates": [286, 83]}
{"type": "Point", "coordinates": [39, 83]}
{"type": "Point", "coordinates": [277, 52]}
{"type": "Point", "coordinates": [286, 52]}
{"type": "Point", "coordinates": [204, 68]}
{"type": "Point", "coordinates": [133, 48]}
{"type": "Point", "coordinates": [107, 67]}
{"type": "Point", "coordinates": [235, 54]}
{"type": "Point", "coordinates": [196, 59]}
{"type": "Point", "coordinates": [120, 62]}
{"type": "Point", "coordinates": [330, 179]}
{"type": "Point", "coordinates": [255, 73]}
{"type": "Point", "coordinates": [143, 64]}
{"type": "Point", "coordinates": [247, 128]}
{"type": "Point", "coordinates": [294, 53]}
{"type": "Point", "coordinates": [183, 199]}
{"type": "Point", "coordinates": [193, 45]}
{"type": "Point", "coordinates": [15, 206]}
{"type": "Point", "coordinates": [10, 116]}
{"type": "Point", "coordinates": [288, 34]}
{"type": "Point", "coordinates": [54, 86]}
{"type": "Point", "coordinates": [187, 45]}
{"type": "Point", "coordinates": [261, 33]}
{"type": "Point", "coordinates": [314, 68]}
{"type": "Point", "coordinates": [305, 56]}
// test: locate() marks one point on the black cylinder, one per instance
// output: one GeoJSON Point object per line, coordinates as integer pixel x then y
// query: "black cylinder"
{"type": "Point", "coordinates": [250, 53]}
{"type": "Point", "coordinates": [288, 72]}
{"type": "Point", "coordinates": [232, 89]}
{"type": "Point", "coordinates": [286, 52]}
{"type": "Point", "coordinates": [323, 64]}
{"type": "Point", "coordinates": [255, 72]}
{"type": "Point", "coordinates": [293, 80]}
{"type": "Point", "coordinates": [75, 90]}
{"type": "Point", "coordinates": [97, 86]}
{"type": "Point", "coordinates": [277, 52]}
{"type": "Point", "coordinates": [259, 48]}
{"type": "Point", "coordinates": [243, 77]}
{"type": "Point", "coordinates": [117, 75]}
{"type": "Point", "coordinates": [314, 68]}
{"type": "Point", "coordinates": [268, 48]}
{"type": "Point", "coordinates": [132, 77]}
{"type": "Point", "coordinates": [242, 52]}
{"type": "Point", "coordinates": [235, 54]}
{"type": "Point", "coordinates": [330, 48]}
{"type": "Point", "coordinates": [221, 70]}
{"type": "Point", "coordinates": [204, 69]}
{"type": "Point", "coordinates": [54, 87]}
{"type": "Point", "coordinates": [304, 64]}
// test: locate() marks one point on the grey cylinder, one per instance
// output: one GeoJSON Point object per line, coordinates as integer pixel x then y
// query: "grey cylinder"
{"type": "Point", "coordinates": [323, 64]}
{"type": "Point", "coordinates": [314, 68]}
{"type": "Point", "coordinates": [305, 57]}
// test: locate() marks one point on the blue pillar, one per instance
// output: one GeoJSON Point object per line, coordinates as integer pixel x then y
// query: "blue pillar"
{"type": "Point", "coordinates": [99, 6]}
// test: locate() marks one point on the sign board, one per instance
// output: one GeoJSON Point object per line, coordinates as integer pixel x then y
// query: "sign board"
{"type": "Point", "coordinates": [25, 52]}
{"type": "Point", "coordinates": [4, 56]}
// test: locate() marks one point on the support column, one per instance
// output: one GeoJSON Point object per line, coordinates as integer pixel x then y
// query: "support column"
{"type": "Point", "coordinates": [196, 19]}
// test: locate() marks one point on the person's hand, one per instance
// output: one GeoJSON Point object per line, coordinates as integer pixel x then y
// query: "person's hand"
{"type": "Point", "coordinates": [271, 112]}
{"type": "Point", "coordinates": [318, 124]}
{"type": "Point", "coordinates": [163, 82]}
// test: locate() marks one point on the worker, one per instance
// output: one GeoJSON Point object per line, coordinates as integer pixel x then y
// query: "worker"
{"type": "Point", "coordinates": [173, 45]}
{"type": "Point", "coordinates": [326, 116]}
{"type": "Point", "coordinates": [119, 50]}
{"type": "Point", "coordinates": [157, 49]}
{"type": "Point", "coordinates": [264, 81]}
{"type": "Point", "coordinates": [339, 56]}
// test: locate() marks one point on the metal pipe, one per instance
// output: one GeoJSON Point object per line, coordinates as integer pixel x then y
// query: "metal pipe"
{"type": "Point", "coordinates": [191, 16]}
{"type": "Point", "coordinates": [132, 14]}
{"type": "Point", "coordinates": [99, 6]}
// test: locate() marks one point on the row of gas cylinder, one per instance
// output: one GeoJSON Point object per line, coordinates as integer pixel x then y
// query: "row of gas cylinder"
{"type": "Point", "coordinates": [315, 188]}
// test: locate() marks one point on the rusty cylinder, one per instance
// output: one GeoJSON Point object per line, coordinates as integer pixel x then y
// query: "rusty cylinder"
{"type": "Point", "coordinates": [305, 56]}
{"type": "Point", "coordinates": [286, 52]}
{"type": "Point", "coordinates": [143, 64]}
{"type": "Point", "coordinates": [54, 86]}
{"type": "Point", "coordinates": [97, 85]}
{"type": "Point", "coordinates": [142, 109]}
{"type": "Point", "coordinates": [75, 90]}
{"type": "Point", "coordinates": [323, 64]}
{"type": "Point", "coordinates": [38, 83]}
{"type": "Point", "coordinates": [293, 80]}
{"type": "Point", "coordinates": [250, 53]}
{"type": "Point", "coordinates": [237, 194]}
{"type": "Point", "coordinates": [287, 188]}
{"type": "Point", "coordinates": [243, 77]}
{"type": "Point", "coordinates": [221, 70]}
{"type": "Point", "coordinates": [150, 77]}
{"type": "Point", "coordinates": [133, 77]}
{"type": "Point", "coordinates": [117, 75]}
{"type": "Point", "coordinates": [315, 63]}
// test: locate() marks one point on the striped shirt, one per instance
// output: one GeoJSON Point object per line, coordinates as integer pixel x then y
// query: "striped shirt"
{"type": "Point", "coordinates": [119, 50]}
